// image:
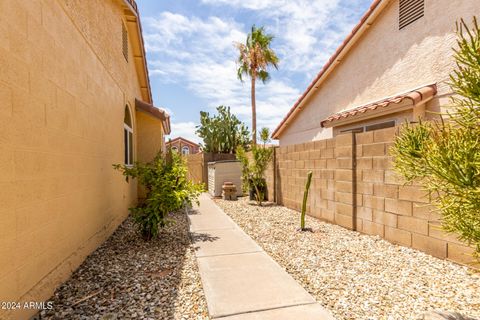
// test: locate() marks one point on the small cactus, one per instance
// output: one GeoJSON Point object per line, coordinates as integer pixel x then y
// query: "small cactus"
{"type": "Point", "coordinates": [305, 197]}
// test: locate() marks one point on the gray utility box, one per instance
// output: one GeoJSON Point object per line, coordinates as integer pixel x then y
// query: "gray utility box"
{"type": "Point", "coordinates": [224, 171]}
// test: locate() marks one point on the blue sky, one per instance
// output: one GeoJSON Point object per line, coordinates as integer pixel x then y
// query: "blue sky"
{"type": "Point", "coordinates": [191, 53]}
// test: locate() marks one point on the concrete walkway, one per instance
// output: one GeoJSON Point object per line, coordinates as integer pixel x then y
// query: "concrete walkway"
{"type": "Point", "coordinates": [241, 281]}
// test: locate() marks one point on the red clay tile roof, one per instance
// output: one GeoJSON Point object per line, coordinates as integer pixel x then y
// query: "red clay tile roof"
{"type": "Point", "coordinates": [327, 66]}
{"type": "Point", "coordinates": [155, 112]}
{"type": "Point", "coordinates": [416, 96]}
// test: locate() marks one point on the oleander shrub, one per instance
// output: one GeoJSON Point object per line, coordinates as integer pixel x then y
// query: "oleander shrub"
{"type": "Point", "coordinates": [444, 154]}
{"type": "Point", "coordinates": [167, 190]}
{"type": "Point", "coordinates": [254, 167]}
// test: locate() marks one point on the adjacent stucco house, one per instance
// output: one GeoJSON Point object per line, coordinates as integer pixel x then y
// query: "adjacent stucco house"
{"type": "Point", "coordinates": [183, 146]}
{"type": "Point", "coordinates": [393, 67]}
{"type": "Point", "coordinates": [75, 99]}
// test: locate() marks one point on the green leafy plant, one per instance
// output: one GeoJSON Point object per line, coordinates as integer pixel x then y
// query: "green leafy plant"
{"type": "Point", "coordinates": [444, 155]}
{"type": "Point", "coordinates": [255, 57]}
{"type": "Point", "coordinates": [167, 190]}
{"type": "Point", "coordinates": [255, 165]}
{"type": "Point", "coordinates": [222, 133]}
{"type": "Point", "coordinates": [305, 198]}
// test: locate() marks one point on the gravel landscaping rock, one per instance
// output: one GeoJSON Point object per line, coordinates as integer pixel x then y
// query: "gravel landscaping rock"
{"type": "Point", "coordinates": [358, 276]}
{"type": "Point", "coordinates": [128, 278]}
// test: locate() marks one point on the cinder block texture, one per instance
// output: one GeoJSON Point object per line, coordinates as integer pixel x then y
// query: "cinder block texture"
{"type": "Point", "coordinates": [383, 205]}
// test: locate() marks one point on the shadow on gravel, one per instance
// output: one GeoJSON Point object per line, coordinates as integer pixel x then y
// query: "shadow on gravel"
{"type": "Point", "coordinates": [127, 277]}
{"type": "Point", "coordinates": [264, 204]}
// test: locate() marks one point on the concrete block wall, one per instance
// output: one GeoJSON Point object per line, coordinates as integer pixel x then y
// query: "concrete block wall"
{"type": "Point", "coordinates": [331, 196]}
{"type": "Point", "coordinates": [368, 197]}
{"type": "Point", "coordinates": [397, 212]}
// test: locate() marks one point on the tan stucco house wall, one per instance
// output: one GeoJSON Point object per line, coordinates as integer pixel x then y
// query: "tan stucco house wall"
{"type": "Point", "coordinates": [382, 62]}
{"type": "Point", "coordinates": [64, 85]}
{"type": "Point", "coordinates": [150, 137]}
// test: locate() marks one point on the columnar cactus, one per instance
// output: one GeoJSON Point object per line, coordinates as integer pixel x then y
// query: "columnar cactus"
{"type": "Point", "coordinates": [305, 197]}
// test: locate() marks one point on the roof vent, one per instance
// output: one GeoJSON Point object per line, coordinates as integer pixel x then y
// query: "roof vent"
{"type": "Point", "coordinates": [125, 41]}
{"type": "Point", "coordinates": [410, 11]}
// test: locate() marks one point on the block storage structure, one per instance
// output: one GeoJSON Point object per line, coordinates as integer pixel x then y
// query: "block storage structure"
{"type": "Point", "coordinates": [224, 171]}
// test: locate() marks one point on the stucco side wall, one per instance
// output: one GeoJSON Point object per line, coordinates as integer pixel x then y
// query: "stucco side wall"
{"type": "Point", "coordinates": [149, 136]}
{"type": "Point", "coordinates": [100, 23]}
{"type": "Point", "coordinates": [61, 116]}
{"type": "Point", "coordinates": [386, 61]}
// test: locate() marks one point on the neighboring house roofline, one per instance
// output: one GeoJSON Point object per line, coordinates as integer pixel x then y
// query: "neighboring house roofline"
{"type": "Point", "coordinates": [140, 61]}
{"type": "Point", "coordinates": [399, 102]}
{"type": "Point", "coordinates": [367, 19]}
{"type": "Point", "coordinates": [184, 140]}
{"type": "Point", "coordinates": [155, 112]}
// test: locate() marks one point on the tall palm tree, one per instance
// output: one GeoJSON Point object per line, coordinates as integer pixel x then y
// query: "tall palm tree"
{"type": "Point", "coordinates": [254, 59]}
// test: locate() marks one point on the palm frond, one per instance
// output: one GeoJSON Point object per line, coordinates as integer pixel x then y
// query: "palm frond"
{"type": "Point", "coordinates": [263, 75]}
{"type": "Point", "coordinates": [256, 56]}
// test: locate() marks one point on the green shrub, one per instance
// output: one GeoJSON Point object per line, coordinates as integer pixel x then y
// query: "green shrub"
{"type": "Point", "coordinates": [167, 190]}
{"type": "Point", "coordinates": [253, 170]}
{"type": "Point", "coordinates": [444, 155]}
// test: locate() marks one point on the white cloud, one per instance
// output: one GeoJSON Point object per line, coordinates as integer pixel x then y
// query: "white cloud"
{"type": "Point", "coordinates": [196, 36]}
{"type": "Point", "coordinates": [208, 68]}
{"type": "Point", "coordinates": [248, 4]}
{"type": "Point", "coordinates": [198, 53]}
{"type": "Point", "coordinates": [308, 31]}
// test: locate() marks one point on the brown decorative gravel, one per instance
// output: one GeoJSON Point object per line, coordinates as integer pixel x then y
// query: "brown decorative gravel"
{"type": "Point", "coordinates": [358, 276]}
{"type": "Point", "coordinates": [128, 278]}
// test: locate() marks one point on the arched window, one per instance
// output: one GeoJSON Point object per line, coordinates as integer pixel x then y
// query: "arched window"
{"type": "Point", "coordinates": [128, 136]}
{"type": "Point", "coordinates": [185, 150]}
{"type": "Point", "coordinates": [175, 149]}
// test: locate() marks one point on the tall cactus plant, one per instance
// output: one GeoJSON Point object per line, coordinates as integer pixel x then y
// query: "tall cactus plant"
{"type": "Point", "coordinates": [305, 197]}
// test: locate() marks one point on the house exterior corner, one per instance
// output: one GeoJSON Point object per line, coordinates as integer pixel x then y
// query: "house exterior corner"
{"type": "Point", "coordinates": [68, 81]}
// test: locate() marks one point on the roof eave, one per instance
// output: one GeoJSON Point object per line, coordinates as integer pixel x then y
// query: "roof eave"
{"type": "Point", "coordinates": [410, 100]}
{"type": "Point", "coordinates": [134, 17]}
{"type": "Point", "coordinates": [166, 125]}
{"type": "Point", "coordinates": [406, 104]}
{"type": "Point", "coordinates": [157, 113]}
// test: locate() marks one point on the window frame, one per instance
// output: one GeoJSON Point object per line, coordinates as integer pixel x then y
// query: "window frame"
{"type": "Point", "coordinates": [185, 148]}
{"type": "Point", "coordinates": [372, 126]}
{"type": "Point", "coordinates": [128, 143]}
